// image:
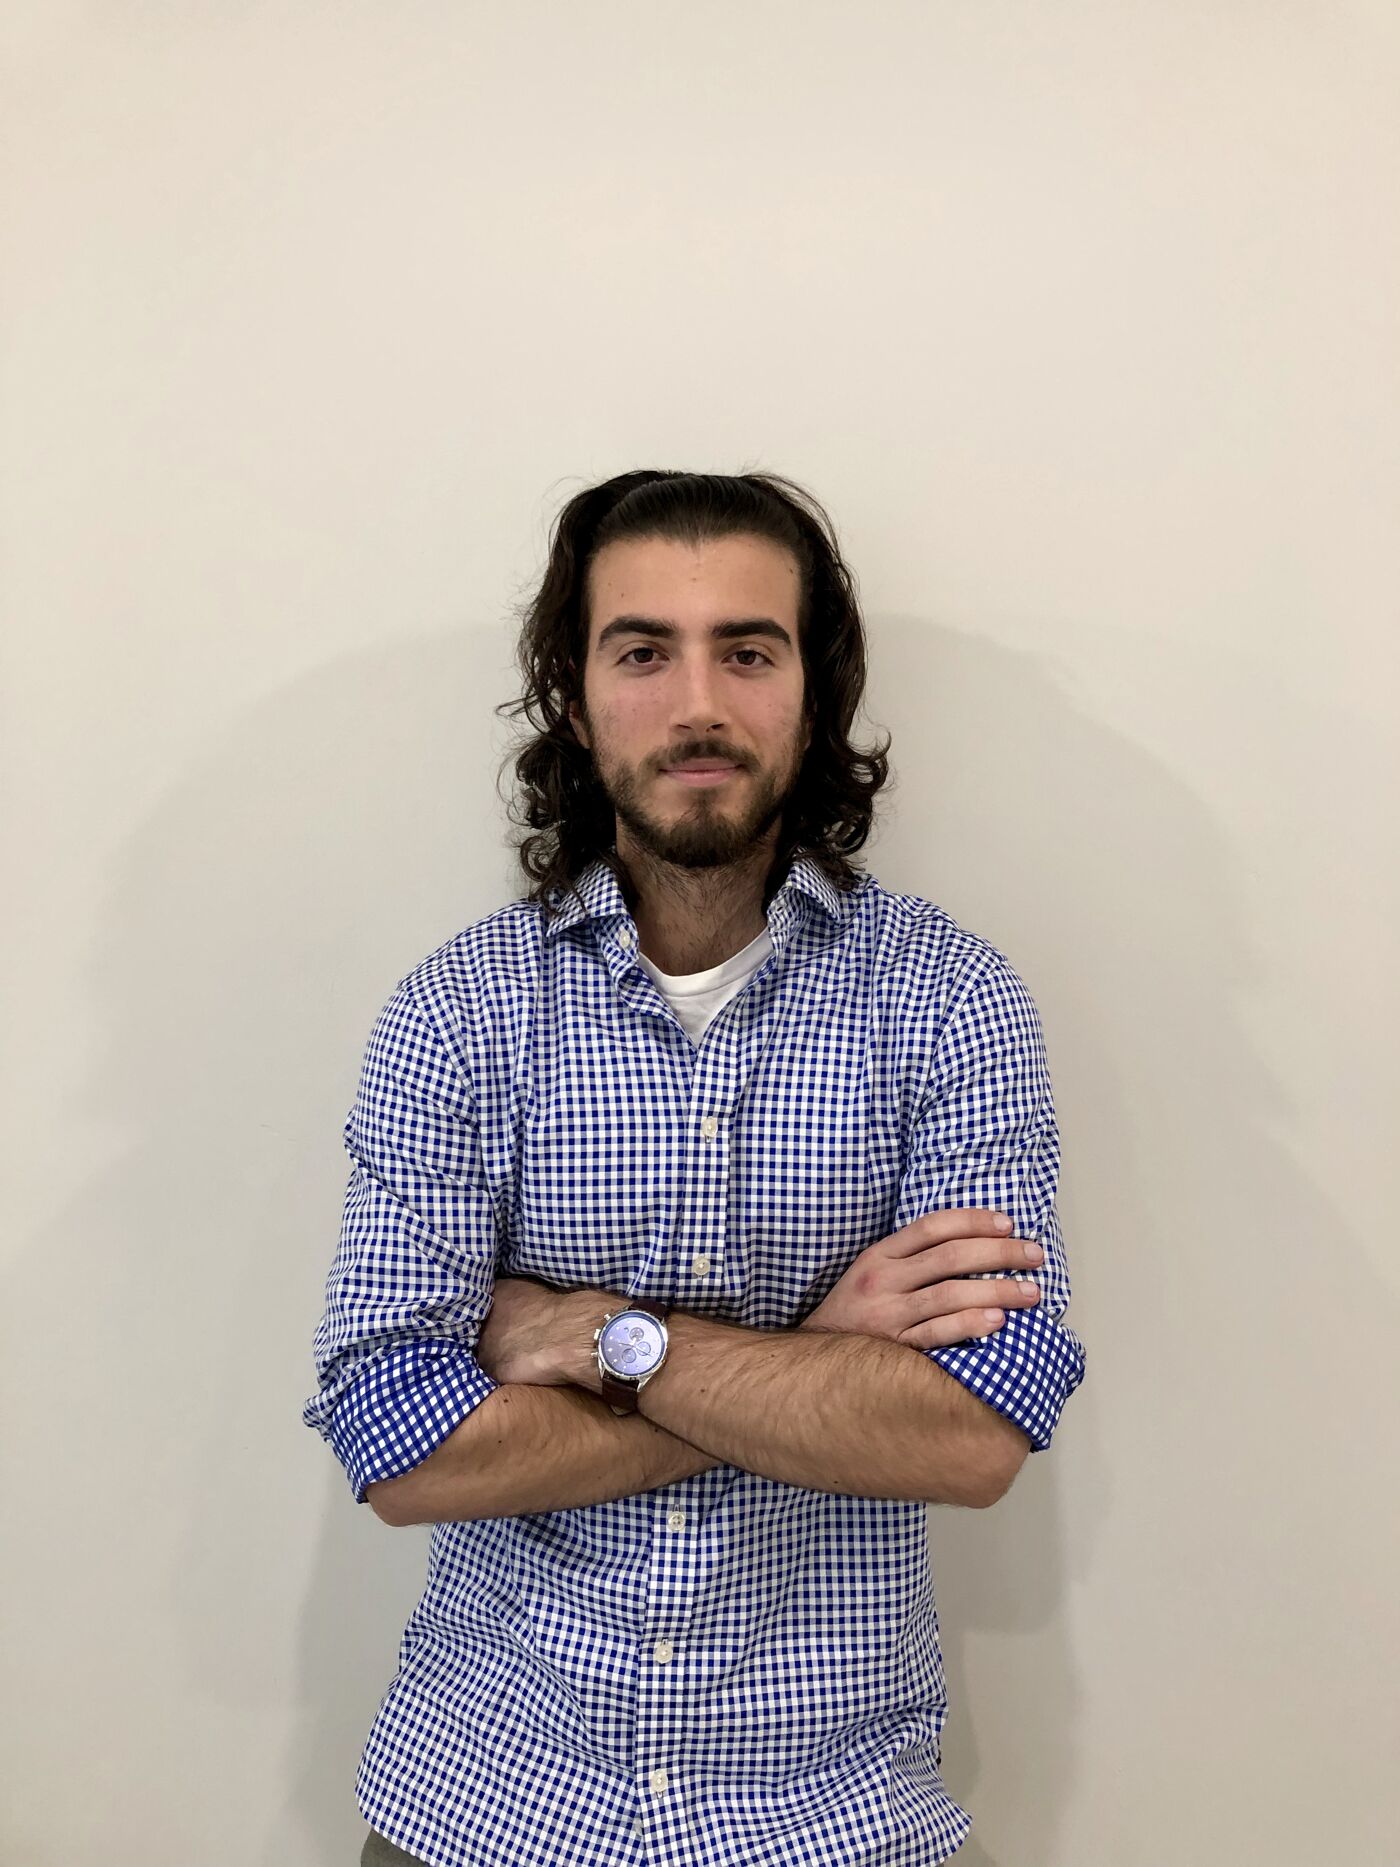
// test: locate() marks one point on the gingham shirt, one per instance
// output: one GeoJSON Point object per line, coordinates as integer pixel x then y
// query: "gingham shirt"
{"type": "Point", "coordinates": [727, 1670]}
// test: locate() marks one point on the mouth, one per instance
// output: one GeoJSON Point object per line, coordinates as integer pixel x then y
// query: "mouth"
{"type": "Point", "coordinates": [702, 772]}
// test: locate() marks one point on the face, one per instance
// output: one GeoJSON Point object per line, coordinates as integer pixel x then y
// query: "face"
{"type": "Point", "coordinates": [693, 694]}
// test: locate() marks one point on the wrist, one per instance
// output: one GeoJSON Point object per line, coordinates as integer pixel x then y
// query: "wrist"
{"type": "Point", "coordinates": [581, 1314]}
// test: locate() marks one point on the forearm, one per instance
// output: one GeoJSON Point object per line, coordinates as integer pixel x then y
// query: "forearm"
{"type": "Point", "coordinates": [526, 1449]}
{"type": "Point", "coordinates": [832, 1412]}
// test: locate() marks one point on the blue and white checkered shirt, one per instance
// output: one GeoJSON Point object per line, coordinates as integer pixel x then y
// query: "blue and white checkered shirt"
{"type": "Point", "coordinates": [726, 1670]}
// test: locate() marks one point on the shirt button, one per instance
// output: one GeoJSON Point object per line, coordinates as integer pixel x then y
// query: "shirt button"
{"type": "Point", "coordinates": [659, 1780]}
{"type": "Point", "coordinates": [626, 935]}
{"type": "Point", "coordinates": [700, 1264]}
{"type": "Point", "coordinates": [676, 1520]}
{"type": "Point", "coordinates": [662, 1650]}
{"type": "Point", "coordinates": [710, 1127]}
{"type": "Point", "coordinates": [639, 1827]}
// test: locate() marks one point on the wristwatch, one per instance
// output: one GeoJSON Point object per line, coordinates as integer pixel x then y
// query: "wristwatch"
{"type": "Point", "coordinates": [631, 1345]}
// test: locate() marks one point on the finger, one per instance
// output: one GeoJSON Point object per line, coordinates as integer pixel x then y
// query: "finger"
{"type": "Point", "coordinates": [935, 1228]}
{"type": "Point", "coordinates": [954, 1294]}
{"type": "Point", "coordinates": [972, 1257]}
{"type": "Point", "coordinates": [969, 1325]}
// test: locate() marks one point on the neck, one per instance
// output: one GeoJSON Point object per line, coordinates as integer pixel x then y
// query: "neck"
{"type": "Point", "coordinates": [691, 919]}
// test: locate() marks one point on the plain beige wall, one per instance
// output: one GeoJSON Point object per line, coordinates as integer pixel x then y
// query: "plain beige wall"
{"type": "Point", "coordinates": [1082, 318]}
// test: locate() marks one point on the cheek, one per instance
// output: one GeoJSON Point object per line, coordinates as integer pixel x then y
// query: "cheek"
{"type": "Point", "coordinates": [623, 727]}
{"type": "Point", "coordinates": [780, 721]}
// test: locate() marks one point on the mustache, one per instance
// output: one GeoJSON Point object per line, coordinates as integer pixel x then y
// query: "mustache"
{"type": "Point", "coordinates": [691, 749]}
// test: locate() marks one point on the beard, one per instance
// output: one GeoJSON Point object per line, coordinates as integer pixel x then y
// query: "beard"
{"type": "Point", "coordinates": [707, 833]}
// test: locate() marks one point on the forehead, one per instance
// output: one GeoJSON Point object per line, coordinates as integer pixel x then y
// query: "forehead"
{"type": "Point", "coordinates": [693, 585]}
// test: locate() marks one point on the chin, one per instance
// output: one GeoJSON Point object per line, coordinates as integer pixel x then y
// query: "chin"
{"type": "Point", "coordinates": [694, 852]}
{"type": "Point", "coordinates": [703, 834]}
{"type": "Point", "coordinates": [716, 844]}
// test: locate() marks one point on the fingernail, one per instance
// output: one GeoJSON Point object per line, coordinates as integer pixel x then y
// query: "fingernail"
{"type": "Point", "coordinates": [994, 1315]}
{"type": "Point", "coordinates": [1003, 1223]}
{"type": "Point", "coordinates": [1033, 1252]}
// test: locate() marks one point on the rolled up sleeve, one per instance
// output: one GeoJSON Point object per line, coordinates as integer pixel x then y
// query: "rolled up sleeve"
{"type": "Point", "coordinates": [986, 1136]}
{"type": "Point", "coordinates": [412, 1279]}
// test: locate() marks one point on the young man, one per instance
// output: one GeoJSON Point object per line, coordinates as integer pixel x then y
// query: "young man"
{"type": "Point", "coordinates": [662, 1285]}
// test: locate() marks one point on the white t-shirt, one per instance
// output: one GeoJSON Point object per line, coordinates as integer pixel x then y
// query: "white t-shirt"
{"type": "Point", "coordinates": [695, 997]}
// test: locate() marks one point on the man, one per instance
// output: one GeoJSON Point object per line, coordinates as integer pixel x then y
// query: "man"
{"type": "Point", "coordinates": [662, 1291]}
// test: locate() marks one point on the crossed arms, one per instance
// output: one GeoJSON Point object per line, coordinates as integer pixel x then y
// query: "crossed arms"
{"type": "Point", "coordinates": [832, 1412]}
{"type": "Point", "coordinates": [438, 1415]}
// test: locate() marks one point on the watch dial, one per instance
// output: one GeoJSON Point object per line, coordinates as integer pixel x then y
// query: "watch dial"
{"type": "Point", "coordinates": [632, 1343]}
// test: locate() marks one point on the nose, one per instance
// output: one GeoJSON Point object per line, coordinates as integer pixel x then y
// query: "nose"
{"type": "Point", "coordinates": [697, 706]}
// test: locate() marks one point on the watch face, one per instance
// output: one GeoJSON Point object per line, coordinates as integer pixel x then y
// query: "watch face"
{"type": "Point", "coordinates": [631, 1344]}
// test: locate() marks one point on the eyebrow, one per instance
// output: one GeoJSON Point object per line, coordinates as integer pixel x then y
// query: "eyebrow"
{"type": "Point", "coordinates": [727, 631]}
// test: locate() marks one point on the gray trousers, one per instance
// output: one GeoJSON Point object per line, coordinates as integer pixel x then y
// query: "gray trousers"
{"type": "Point", "coordinates": [377, 1852]}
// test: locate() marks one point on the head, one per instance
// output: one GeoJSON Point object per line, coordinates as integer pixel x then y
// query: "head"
{"type": "Point", "coordinates": [683, 621]}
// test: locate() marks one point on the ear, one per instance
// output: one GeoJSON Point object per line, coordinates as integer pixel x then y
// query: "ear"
{"type": "Point", "coordinates": [576, 721]}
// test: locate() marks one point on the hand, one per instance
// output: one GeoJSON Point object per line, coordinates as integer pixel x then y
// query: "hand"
{"type": "Point", "coordinates": [920, 1286]}
{"type": "Point", "coordinates": [541, 1336]}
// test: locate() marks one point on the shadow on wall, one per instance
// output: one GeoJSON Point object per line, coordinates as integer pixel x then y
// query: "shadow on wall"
{"type": "Point", "coordinates": [1169, 1546]}
{"type": "Point", "coordinates": [972, 820]}
{"type": "Point", "coordinates": [245, 1606]}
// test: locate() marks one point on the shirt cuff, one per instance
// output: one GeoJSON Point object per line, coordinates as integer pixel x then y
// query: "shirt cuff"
{"type": "Point", "coordinates": [1026, 1370]}
{"type": "Point", "coordinates": [401, 1406]}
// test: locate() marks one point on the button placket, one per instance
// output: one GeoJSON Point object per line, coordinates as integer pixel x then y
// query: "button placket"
{"type": "Point", "coordinates": [669, 1601]}
{"type": "Point", "coordinates": [708, 1194]}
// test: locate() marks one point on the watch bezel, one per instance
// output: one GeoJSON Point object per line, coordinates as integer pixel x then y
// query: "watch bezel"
{"type": "Point", "coordinates": [633, 1381]}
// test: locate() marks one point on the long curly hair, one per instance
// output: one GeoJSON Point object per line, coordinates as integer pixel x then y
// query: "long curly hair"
{"type": "Point", "coordinates": [561, 808]}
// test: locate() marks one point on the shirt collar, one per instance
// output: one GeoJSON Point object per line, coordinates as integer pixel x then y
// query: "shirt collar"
{"type": "Point", "coordinates": [594, 895]}
{"type": "Point", "coordinates": [806, 877]}
{"type": "Point", "coordinates": [597, 895]}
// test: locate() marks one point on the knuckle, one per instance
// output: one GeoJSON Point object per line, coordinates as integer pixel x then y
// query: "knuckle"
{"type": "Point", "coordinates": [954, 1257]}
{"type": "Point", "coordinates": [932, 1334]}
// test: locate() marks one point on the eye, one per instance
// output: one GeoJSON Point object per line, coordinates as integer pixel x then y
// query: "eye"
{"type": "Point", "coordinates": [752, 651]}
{"type": "Point", "coordinates": [642, 649]}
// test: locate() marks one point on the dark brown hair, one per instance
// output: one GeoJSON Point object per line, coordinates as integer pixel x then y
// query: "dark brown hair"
{"type": "Point", "coordinates": [561, 807]}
